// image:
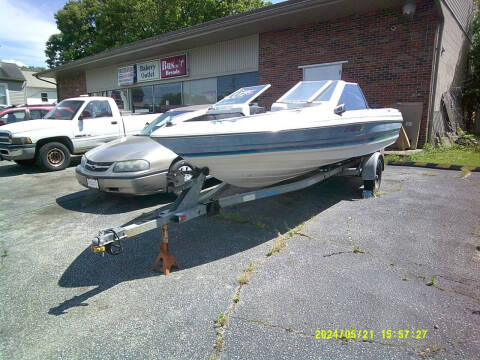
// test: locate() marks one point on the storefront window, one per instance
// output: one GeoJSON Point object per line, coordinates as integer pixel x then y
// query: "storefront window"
{"type": "Point", "coordinates": [121, 98]}
{"type": "Point", "coordinates": [198, 92]}
{"type": "Point", "coordinates": [230, 83]}
{"type": "Point", "coordinates": [167, 95]}
{"type": "Point", "coordinates": [142, 99]}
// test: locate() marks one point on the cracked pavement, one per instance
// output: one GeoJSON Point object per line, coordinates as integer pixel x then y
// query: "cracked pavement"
{"type": "Point", "coordinates": [58, 300]}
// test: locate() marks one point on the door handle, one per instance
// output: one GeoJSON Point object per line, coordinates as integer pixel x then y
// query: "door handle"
{"type": "Point", "coordinates": [114, 122]}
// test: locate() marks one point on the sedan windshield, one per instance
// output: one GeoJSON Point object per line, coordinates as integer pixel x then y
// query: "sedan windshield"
{"type": "Point", "coordinates": [160, 122]}
{"type": "Point", "coordinates": [65, 110]}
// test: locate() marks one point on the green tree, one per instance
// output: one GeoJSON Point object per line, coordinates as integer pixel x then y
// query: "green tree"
{"type": "Point", "coordinates": [474, 86]}
{"type": "Point", "coordinates": [90, 26]}
{"type": "Point", "coordinates": [33, 68]}
{"type": "Point", "coordinates": [471, 96]}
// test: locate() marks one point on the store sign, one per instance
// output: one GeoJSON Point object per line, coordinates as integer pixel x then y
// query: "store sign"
{"type": "Point", "coordinates": [174, 66]}
{"type": "Point", "coordinates": [148, 71]}
{"type": "Point", "coordinates": [126, 75]}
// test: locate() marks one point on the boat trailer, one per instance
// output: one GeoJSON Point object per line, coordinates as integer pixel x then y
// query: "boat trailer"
{"type": "Point", "coordinates": [194, 202]}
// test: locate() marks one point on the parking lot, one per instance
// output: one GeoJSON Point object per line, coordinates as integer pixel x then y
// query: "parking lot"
{"type": "Point", "coordinates": [408, 259]}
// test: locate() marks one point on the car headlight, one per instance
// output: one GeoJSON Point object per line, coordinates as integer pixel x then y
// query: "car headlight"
{"type": "Point", "coordinates": [21, 140]}
{"type": "Point", "coordinates": [83, 161]}
{"type": "Point", "coordinates": [131, 165]}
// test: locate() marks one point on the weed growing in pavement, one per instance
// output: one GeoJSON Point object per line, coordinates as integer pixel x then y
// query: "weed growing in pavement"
{"type": "Point", "coordinates": [432, 281]}
{"type": "Point", "coordinates": [236, 299]}
{"type": "Point", "coordinates": [244, 277]}
{"type": "Point", "coordinates": [222, 320]}
{"type": "Point", "coordinates": [356, 248]}
{"type": "Point", "coordinates": [240, 219]}
{"type": "Point", "coordinates": [278, 245]}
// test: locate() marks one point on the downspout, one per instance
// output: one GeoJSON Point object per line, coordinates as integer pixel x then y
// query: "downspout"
{"type": "Point", "coordinates": [50, 82]}
{"type": "Point", "coordinates": [434, 78]}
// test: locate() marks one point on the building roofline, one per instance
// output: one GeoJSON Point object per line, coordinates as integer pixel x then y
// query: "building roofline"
{"type": "Point", "coordinates": [280, 11]}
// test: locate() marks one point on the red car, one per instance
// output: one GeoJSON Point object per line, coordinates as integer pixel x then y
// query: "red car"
{"type": "Point", "coordinates": [23, 112]}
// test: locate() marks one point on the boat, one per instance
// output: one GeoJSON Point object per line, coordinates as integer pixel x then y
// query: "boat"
{"type": "Point", "coordinates": [314, 124]}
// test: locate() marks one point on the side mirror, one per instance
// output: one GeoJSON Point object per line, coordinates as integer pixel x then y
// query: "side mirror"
{"type": "Point", "coordinates": [85, 115]}
{"type": "Point", "coordinates": [339, 110]}
{"type": "Point", "coordinates": [168, 124]}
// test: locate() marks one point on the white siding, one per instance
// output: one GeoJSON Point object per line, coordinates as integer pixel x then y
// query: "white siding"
{"type": "Point", "coordinates": [228, 57]}
{"type": "Point", "coordinates": [463, 11]}
{"type": "Point", "coordinates": [34, 96]}
{"type": "Point", "coordinates": [16, 92]}
{"type": "Point", "coordinates": [453, 56]}
{"type": "Point", "coordinates": [102, 79]}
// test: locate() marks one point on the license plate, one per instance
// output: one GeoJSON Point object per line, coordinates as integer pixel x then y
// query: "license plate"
{"type": "Point", "coordinates": [92, 183]}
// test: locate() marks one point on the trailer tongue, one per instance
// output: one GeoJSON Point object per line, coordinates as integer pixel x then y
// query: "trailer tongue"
{"type": "Point", "coordinates": [193, 202]}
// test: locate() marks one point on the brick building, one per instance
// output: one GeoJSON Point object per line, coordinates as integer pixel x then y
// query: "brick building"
{"type": "Point", "coordinates": [401, 52]}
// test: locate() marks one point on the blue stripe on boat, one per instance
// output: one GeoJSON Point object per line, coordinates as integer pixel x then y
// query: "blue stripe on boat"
{"type": "Point", "coordinates": [294, 139]}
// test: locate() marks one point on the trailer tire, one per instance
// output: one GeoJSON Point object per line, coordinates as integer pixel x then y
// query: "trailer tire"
{"type": "Point", "coordinates": [374, 185]}
{"type": "Point", "coordinates": [53, 156]}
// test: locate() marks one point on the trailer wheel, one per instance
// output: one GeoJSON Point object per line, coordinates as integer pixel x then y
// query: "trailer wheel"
{"type": "Point", "coordinates": [53, 156]}
{"type": "Point", "coordinates": [374, 185]}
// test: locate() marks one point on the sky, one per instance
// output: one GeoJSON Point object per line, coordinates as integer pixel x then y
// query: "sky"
{"type": "Point", "coordinates": [25, 27]}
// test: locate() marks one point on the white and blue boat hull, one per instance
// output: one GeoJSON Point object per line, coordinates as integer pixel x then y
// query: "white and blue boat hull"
{"type": "Point", "coordinates": [257, 159]}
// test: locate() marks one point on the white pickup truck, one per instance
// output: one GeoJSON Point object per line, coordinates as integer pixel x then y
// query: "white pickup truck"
{"type": "Point", "coordinates": [74, 126]}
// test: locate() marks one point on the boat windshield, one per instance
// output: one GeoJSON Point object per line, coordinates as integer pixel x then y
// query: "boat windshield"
{"type": "Point", "coordinates": [243, 95]}
{"type": "Point", "coordinates": [160, 122]}
{"type": "Point", "coordinates": [308, 91]}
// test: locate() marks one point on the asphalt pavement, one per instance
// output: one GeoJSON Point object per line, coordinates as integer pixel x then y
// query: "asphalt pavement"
{"type": "Point", "coordinates": [408, 259]}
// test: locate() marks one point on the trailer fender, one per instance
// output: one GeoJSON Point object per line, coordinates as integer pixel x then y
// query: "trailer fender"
{"type": "Point", "coordinates": [369, 166]}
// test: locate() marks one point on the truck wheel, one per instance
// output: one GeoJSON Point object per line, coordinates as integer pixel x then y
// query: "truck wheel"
{"type": "Point", "coordinates": [53, 156]}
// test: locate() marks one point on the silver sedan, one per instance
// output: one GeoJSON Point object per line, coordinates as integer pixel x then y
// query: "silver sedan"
{"type": "Point", "coordinates": [136, 164]}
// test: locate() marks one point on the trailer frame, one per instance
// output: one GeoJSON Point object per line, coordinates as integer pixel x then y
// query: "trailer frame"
{"type": "Point", "coordinates": [194, 202]}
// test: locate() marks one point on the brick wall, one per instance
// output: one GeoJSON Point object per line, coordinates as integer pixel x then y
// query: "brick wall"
{"type": "Point", "coordinates": [71, 85]}
{"type": "Point", "coordinates": [388, 55]}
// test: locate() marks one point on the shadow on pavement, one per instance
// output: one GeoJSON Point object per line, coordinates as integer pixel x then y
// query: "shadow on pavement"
{"type": "Point", "coordinates": [95, 202]}
{"type": "Point", "coordinates": [202, 240]}
{"type": "Point", "coordinates": [10, 168]}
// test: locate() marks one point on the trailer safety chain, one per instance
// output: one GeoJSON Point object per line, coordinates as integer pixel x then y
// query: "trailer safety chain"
{"type": "Point", "coordinates": [114, 248]}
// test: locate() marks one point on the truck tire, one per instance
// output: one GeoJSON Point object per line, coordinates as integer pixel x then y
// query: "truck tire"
{"type": "Point", "coordinates": [53, 156]}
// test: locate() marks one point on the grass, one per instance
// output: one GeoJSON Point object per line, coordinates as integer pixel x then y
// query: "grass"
{"type": "Point", "coordinates": [240, 219]}
{"type": "Point", "coordinates": [452, 155]}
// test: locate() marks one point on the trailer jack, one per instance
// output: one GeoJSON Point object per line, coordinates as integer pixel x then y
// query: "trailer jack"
{"type": "Point", "coordinates": [167, 259]}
